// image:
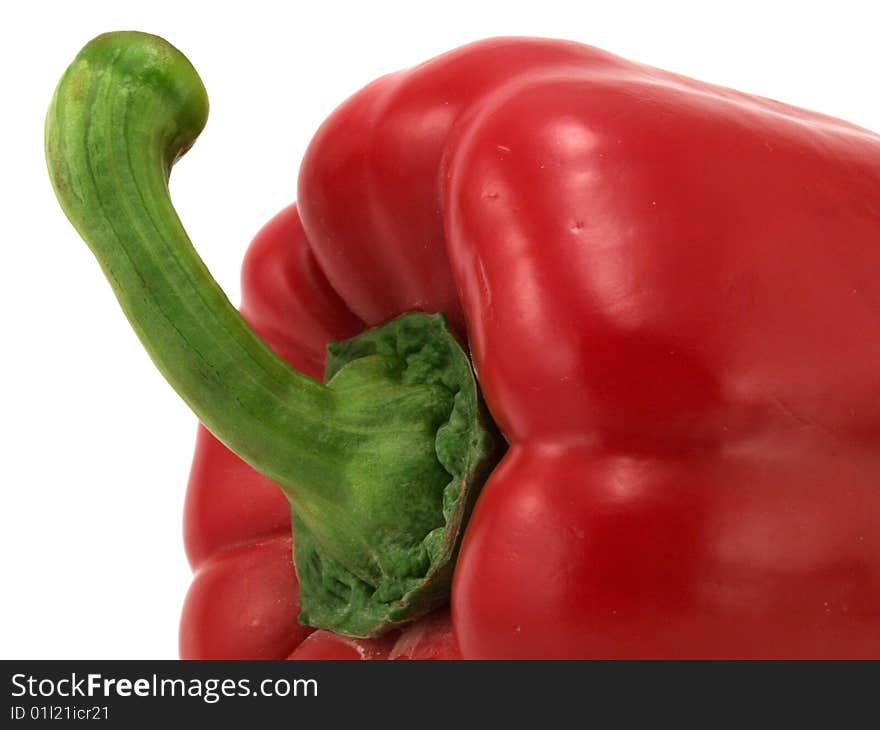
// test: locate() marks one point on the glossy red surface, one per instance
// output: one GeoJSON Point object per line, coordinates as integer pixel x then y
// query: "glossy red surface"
{"type": "Point", "coordinates": [671, 293]}
{"type": "Point", "coordinates": [431, 638]}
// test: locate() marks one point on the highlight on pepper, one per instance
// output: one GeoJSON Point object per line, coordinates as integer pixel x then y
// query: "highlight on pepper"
{"type": "Point", "coordinates": [556, 356]}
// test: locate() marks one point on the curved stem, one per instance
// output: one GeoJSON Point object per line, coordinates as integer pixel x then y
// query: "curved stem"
{"type": "Point", "coordinates": [125, 110]}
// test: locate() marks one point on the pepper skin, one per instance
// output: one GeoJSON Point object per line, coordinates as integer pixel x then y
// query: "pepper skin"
{"type": "Point", "coordinates": [671, 294]}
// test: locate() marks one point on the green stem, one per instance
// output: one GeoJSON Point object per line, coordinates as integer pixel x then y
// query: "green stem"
{"type": "Point", "coordinates": [128, 107]}
{"type": "Point", "coordinates": [382, 464]}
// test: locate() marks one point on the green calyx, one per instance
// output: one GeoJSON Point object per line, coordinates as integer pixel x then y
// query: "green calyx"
{"type": "Point", "coordinates": [423, 451]}
{"type": "Point", "coordinates": [382, 464]}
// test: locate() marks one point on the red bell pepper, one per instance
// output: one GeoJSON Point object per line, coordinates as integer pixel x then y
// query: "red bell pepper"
{"type": "Point", "coordinates": [671, 297]}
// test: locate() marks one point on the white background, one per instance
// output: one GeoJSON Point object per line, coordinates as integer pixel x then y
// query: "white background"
{"type": "Point", "coordinates": [96, 447]}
